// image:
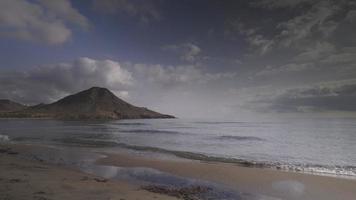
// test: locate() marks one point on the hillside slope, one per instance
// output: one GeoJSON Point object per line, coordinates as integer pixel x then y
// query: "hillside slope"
{"type": "Point", "coordinates": [10, 106]}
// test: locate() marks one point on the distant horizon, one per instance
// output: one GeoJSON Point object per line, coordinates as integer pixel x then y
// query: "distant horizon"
{"type": "Point", "coordinates": [262, 117]}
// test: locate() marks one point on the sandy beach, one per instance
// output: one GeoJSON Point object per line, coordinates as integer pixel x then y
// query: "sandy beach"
{"type": "Point", "coordinates": [24, 178]}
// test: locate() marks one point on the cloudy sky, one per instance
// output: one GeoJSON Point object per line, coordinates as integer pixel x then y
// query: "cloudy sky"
{"type": "Point", "coordinates": [201, 58]}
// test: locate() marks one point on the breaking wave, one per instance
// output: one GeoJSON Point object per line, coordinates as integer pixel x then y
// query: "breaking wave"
{"type": "Point", "coordinates": [4, 138]}
{"type": "Point", "coordinates": [239, 138]}
{"type": "Point", "coordinates": [150, 131]}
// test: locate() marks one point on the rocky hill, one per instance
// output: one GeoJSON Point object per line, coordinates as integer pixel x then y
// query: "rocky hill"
{"type": "Point", "coordinates": [94, 103]}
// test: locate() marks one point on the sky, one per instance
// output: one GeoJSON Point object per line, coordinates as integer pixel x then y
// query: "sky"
{"type": "Point", "coordinates": [193, 59]}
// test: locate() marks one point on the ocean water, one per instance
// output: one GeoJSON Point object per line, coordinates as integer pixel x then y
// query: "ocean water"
{"type": "Point", "coordinates": [321, 146]}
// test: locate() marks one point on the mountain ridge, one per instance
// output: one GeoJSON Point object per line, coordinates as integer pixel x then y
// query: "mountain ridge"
{"type": "Point", "coordinates": [93, 103]}
{"type": "Point", "coordinates": [10, 106]}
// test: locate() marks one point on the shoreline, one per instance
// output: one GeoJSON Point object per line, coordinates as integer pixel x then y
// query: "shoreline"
{"type": "Point", "coordinates": [311, 169]}
{"type": "Point", "coordinates": [255, 180]}
{"type": "Point", "coordinates": [306, 169]}
{"type": "Point", "coordinates": [262, 181]}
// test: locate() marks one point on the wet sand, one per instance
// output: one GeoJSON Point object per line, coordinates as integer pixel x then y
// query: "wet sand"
{"type": "Point", "coordinates": [21, 178]}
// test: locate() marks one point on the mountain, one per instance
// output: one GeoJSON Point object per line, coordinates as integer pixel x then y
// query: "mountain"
{"type": "Point", "coordinates": [10, 106]}
{"type": "Point", "coordinates": [94, 103]}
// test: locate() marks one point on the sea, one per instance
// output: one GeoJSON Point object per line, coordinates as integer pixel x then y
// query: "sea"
{"type": "Point", "coordinates": [324, 146]}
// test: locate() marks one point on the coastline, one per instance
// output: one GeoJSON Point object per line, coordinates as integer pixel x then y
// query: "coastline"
{"type": "Point", "coordinates": [279, 184]}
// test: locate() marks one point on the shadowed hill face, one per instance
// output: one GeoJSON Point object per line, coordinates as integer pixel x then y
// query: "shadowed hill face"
{"type": "Point", "coordinates": [91, 100]}
{"type": "Point", "coordinates": [10, 106]}
{"type": "Point", "coordinates": [94, 103]}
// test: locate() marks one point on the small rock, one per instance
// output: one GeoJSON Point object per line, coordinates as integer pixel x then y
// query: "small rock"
{"type": "Point", "coordinates": [15, 180]}
{"type": "Point", "coordinates": [40, 192]}
{"type": "Point", "coordinates": [101, 180]}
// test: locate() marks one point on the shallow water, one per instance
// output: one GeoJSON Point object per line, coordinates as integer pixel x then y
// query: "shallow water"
{"type": "Point", "coordinates": [325, 146]}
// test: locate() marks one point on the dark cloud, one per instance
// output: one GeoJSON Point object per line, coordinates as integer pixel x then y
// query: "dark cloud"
{"type": "Point", "coordinates": [146, 11]}
{"type": "Point", "coordinates": [273, 4]}
{"type": "Point", "coordinates": [351, 16]}
{"type": "Point", "coordinates": [256, 40]}
{"type": "Point", "coordinates": [330, 97]}
{"type": "Point", "coordinates": [314, 26]}
{"type": "Point", "coordinates": [187, 52]}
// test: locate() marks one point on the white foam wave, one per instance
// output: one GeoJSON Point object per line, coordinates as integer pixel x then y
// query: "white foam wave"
{"type": "Point", "coordinates": [335, 171]}
{"type": "Point", "coordinates": [4, 138]}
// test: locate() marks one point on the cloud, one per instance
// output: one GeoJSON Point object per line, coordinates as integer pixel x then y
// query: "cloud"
{"type": "Point", "coordinates": [273, 4]}
{"type": "Point", "coordinates": [140, 83]}
{"type": "Point", "coordinates": [43, 21]}
{"type": "Point", "coordinates": [64, 10]}
{"type": "Point", "coordinates": [314, 26]}
{"type": "Point", "coordinates": [188, 52]}
{"type": "Point", "coordinates": [332, 96]}
{"type": "Point", "coordinates": [316, 52]}
{"type": "Point", "coordinates": [317, 21]}
{"type": "Point", "coordinates": [171, 76]}
{"type": "Point", "coordinates": [291, 67]}
{"type": "Point", "coordinates": [346, 55]}
{"type": "Point", "coordinates": [261, 44]}
{"type": "Point", "coordinates": [146, 11]}
{"type": "Point", "coordinates": [351, 16]}
{"type": "Point", "coordinates": [50, 82]}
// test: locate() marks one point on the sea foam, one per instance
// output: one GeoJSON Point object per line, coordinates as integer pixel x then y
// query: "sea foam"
{"type": "Point", "coordinates": [4, 138]}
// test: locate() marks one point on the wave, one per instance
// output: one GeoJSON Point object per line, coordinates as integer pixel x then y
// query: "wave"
{"type": "Point", "coordinates": [86, 142]}
{"type": "Point", "coordinates": [4, 138]}
{"type": "Point", "coordinates": [130, 124]}
{"type": "Point", "coordinates": [221, 122]}
{"type": "Point", "coordinates": [93, 136]}
{"type": "Point", "coordinates": [27, 139]}
{"type": "Point", "coordinates": [240, 138]}
{"type": "Point", "coordinates": [150, 131]}
{"type": "Point", "coordinates": [239, 124]}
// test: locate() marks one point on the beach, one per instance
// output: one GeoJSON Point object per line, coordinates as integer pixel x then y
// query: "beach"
{"type": "Point", "coordinates": [26, 175]}
{"type": "Point", "coordinates": [22, 178]}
